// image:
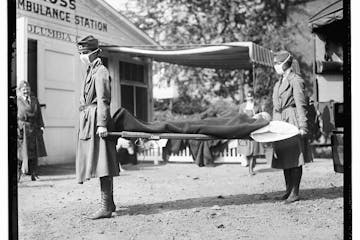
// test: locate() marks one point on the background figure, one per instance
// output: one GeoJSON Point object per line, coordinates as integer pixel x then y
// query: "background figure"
{"type": "Point", "coordinates": [126, 152]}
{"type": "Point", "coordinates": [30, 132]}
{"type": "Point", "coordinates": [327, 126]}
{"type": "Point", "coordinates": [249, 148]}
{"type": "Point", "coordinates": [290, 105]}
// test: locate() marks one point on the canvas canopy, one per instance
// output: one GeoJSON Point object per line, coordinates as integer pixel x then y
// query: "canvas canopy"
{"type": "Point", "coordinates": [235, 55]}
{"type": "Point", "coordinates": [328, 15]}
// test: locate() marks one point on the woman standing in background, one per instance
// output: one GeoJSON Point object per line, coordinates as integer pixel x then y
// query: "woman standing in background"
{"type": "Point", "coordinates": [250, 148]}
{"type": "Point", "coordinates": [30, 132]}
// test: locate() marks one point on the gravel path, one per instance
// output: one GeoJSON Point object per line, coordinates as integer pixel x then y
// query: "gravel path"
{"type": "Point", "coordinates": [183, 201]}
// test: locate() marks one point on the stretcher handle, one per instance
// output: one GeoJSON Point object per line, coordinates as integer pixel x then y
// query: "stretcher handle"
{"type": "Point", "coordinates": [158, 136]}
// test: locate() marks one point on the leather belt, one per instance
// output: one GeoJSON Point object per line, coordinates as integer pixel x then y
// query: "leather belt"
{"type": "Point", "coordinates": [27, 119]}
{"type": "Point", "coordinates": [83, 107]}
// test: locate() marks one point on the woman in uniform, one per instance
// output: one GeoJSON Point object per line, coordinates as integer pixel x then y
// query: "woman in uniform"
{"type": "Point", "coordinates": [289, 105]}
{"type": "Point", "coordinates": [96, 153]}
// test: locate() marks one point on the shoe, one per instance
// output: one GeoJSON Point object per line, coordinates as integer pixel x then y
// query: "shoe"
{"type": "Point", "coordinates": [33, 178]}
{"type": "Point", "coordinates": [292, 199]}
{"type": "Point", "coordinates": [101, 213]}
{"type": "Point", "coordinates": [283, 197]}
{"type": "Point", "coordinates": [107, 205]}
{"type": "Point", "coordinates": [112, 206]}
{"type": "Point", "coordinates": [105, 209]}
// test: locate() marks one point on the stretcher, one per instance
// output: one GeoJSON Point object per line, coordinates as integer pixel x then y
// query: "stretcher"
{"type": "Point", "coordinates": [158, 136]}
{"type": "Point", "coordinates": [274, 131]}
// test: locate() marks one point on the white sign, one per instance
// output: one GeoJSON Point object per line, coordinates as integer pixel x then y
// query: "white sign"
{"type": "Point", "coordinates": [165, 93]}
{"type": "Point", "coordinates": [64, 14]}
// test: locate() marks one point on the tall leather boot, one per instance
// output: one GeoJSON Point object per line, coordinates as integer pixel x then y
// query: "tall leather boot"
{"type": "Point", "coordinates": [288, 185]}
{"type": "Point", "coordinates": [112, 204]}
{"type": "Point", "coordinates": [105, 202]}
{"type": "Point", "coordinates": [296, 174]}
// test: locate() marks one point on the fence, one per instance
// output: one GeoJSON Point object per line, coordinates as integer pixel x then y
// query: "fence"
{"type": "Point", "coordinates": [156, 155]}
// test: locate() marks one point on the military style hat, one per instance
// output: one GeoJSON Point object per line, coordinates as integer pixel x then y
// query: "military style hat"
{"type": "Point", "coordinates": [88, 43]}
{"type": "Point", "coordinates": [281, 56]}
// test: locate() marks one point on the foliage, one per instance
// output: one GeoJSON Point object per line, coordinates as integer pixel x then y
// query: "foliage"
{"type": "Point", "coordinates": [183, 22]}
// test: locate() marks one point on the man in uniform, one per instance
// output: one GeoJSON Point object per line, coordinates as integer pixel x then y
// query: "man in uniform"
{"type": "Point", "coordinates": [96, 154]}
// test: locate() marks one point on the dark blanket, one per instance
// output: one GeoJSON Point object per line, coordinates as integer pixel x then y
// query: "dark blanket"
{"type": "Point", "coordinates": [236, 127]}
{"type": "Point", "coordinates": [239, 126]}
{"type": "Point", "coordinates": [202, 152]}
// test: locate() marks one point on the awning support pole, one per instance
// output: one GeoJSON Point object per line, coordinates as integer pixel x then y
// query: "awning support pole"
{"type": "Point", "coordinates": [253, 77]}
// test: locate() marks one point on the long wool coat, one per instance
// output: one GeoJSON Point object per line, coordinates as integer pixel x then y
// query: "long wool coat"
{"type": "Point", "coordinates": [289, 105]}
{"type": "Point", "coordinates": [30, 136]}
{"type": "Point", "coordinates": [95, 156]}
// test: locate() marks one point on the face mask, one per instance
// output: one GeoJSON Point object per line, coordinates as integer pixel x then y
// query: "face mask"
{"type": "Point", "coordinates": [85, 58]}
{"type": "Point", "coordinates": [279, 67]}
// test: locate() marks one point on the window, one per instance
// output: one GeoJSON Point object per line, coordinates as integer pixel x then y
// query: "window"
{"type": "Point", "coordinates": [134, 96]}
{"type": "Point", "coordinates": [32, 65]}
{"type": "Point", "coordinates": [131, 72]}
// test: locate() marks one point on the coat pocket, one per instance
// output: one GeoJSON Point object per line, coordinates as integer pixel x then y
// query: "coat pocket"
{"type": "Point", "coordinates": [86, 125]}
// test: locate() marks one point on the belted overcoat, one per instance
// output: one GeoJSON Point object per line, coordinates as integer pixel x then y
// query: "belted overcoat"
{"type": "Point", "coordinates": [290, 105]}
{"type": "Point", "coordinates": [95, 156]}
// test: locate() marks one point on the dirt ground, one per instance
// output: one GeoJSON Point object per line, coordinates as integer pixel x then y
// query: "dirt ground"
{"type": "Point", "coordinates": [183, 201]}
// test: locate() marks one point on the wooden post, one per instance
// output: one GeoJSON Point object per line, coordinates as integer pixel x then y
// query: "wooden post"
{"type": "Point", "coordinates": [253, 76]}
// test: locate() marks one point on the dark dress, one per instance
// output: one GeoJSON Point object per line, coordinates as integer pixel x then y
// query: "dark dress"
{"type": "Point", "coordinates": [30, 136]}
{"type": "Point", "coordinates": [289, 105]}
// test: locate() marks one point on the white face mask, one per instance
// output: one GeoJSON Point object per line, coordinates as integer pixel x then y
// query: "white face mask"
{"type": "Point", "coordinates": [279, 67]}
{"type": "Point", "coordinates": [85, 58]}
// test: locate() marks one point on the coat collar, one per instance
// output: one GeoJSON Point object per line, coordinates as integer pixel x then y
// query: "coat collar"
{"type": "Point", "coordinates": [92, 69]}
{"type": "Point", "coordinates": [94, 66]}
{"type": "Point", "coordinates": [284, 83]}
{"type": "Point", "coordinates": [23, 99]}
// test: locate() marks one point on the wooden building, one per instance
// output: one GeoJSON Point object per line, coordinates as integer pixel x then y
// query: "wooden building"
{"type": "Point", "coordinates": [46, 57]}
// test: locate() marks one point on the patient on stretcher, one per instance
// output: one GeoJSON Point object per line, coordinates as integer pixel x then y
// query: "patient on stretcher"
{"type": "Point", "coordinates": [238, 126]}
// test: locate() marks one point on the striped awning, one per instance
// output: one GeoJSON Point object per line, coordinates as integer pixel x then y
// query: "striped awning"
{"type": "Point", "coordinates": [331, 13]}
{"type": "Point", "coordinates": [235, 55]}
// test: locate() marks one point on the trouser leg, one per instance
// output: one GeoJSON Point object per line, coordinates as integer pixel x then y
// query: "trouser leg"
{"type": "Point", "coordinates": [105, 203]}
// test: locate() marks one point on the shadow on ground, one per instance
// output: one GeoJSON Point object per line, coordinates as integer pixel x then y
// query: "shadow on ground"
{"type": "Point", "coordinates": [240, 199]}
{"type": "Point", "coordinates": [69, 169]}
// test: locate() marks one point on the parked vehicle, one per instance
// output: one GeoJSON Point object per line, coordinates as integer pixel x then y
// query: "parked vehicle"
{"type": "Point", "coordinates": [327, 26]}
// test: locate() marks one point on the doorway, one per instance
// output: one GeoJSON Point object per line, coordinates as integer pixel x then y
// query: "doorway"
{"type": "Point", "coordinates": [32, 66]}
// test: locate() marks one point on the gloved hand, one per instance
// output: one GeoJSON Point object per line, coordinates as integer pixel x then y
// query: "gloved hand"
{"type": "Point", "coordinates": [102, 131]}
{"type": "Point", "coordinates": [303, 132]}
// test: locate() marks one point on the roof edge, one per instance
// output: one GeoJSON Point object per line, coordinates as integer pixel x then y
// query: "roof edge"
{"type": "Point", "coordinates": [121, 17]}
